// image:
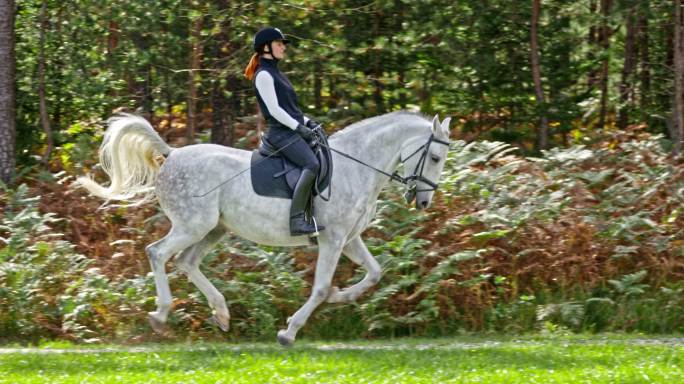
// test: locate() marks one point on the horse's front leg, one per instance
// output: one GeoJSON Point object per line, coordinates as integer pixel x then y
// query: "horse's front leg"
{"type": "Point", "coordinates": [357, 252]}
{"type": "Point", "coordinates": [329, 250]}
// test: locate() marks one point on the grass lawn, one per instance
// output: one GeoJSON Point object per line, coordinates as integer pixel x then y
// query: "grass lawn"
{"type": "Point", "coordinates": [531, 359]}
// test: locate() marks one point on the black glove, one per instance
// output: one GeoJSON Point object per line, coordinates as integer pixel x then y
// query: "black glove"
{"type": "Point", "coordinates": [306, 132]}
{"type": "Point", "coordinates": [312, 123]}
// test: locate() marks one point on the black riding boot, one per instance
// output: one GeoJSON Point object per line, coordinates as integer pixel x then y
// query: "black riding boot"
{"type": "Point", "coordinates": [298, 223]}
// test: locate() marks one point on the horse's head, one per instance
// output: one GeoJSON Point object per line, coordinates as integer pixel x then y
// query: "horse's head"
{"type": "Point", "coordinates": [423, 164]}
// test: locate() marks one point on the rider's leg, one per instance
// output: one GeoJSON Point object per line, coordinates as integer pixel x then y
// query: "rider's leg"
{"type": "Point", "coordinates": [300, 153]}
{"type": "Point", "coordinates": [298, 223]}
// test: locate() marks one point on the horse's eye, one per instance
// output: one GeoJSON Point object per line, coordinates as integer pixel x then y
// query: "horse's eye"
{"type": "Point", "coordinates": [435, 159]}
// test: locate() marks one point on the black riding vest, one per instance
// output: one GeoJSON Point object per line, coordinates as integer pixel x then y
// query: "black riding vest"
{"type": "Point", "coordinates": [287, 98]}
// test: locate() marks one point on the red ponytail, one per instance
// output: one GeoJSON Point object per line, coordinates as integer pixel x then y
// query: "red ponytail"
{"type": "Point", "coordinates": [252, 67]}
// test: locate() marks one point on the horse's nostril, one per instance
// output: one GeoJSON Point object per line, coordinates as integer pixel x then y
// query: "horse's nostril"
{"type": "Point", "coordinates": [424, 204]}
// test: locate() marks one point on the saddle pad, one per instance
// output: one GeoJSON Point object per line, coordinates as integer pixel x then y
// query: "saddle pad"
{"type": "Point", "coordinates": [277, 177]}
{"type": "Point", "coordinates": [262, 170]}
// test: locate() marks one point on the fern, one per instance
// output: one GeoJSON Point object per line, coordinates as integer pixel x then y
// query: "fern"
{"type": "Point", "coordinates": [567, 314]}
{"type": "Point", "coordinates": [629, 285]}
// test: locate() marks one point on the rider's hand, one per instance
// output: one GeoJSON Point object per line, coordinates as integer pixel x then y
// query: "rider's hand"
{"type": "Point", "coordinates": [312, 123]}
{"type": "Point", "coordinates": [306, 132]}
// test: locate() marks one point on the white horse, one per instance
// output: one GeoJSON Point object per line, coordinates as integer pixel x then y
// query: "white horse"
{"type": "Point", "coordinates": [129, 155]}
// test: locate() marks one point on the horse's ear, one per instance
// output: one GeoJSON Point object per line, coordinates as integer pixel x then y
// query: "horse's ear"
{"type": "Point", "coordinates": [445, 126]}
{"type": "Point", "coordinates": [435, 124]}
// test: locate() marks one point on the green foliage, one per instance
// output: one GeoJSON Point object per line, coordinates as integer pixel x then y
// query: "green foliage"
{"type": "Point", "coordinates": [555, 358]}
{"type": "Point", "coordinates": [507, 198]}
{"type": "Point", "coordinates": [468, 59]}
{"type": "Point", "coordinates": [260, 297]}
{"type": "Point", "coordinates": [47, 289]}
{"type": "Point", "coordinates": [400, 260]}
{"type": "Point", "coordinates": [78, 149]}
{"type": "Point", "coordinates": [579, 239]}
{"type": "Point", "coordinates": [33, 266]}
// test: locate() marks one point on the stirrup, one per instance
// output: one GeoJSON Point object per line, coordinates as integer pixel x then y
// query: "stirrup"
{"type": "Point", "coordinates": [299, 226]}
{"type": "Point", "coordinates": [318, 229]}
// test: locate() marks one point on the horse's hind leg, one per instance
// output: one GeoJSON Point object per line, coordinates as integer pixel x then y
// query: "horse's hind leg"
{"type": "Point", "coordinates": [357, 252]}
{"type": "Point", "coordinates": [189, 261]}
{"type": "Point", "coordinates": [159, 252]}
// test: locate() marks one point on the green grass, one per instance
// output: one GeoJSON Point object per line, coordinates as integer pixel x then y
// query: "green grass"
{"type": "Point", "coordinates": [539, 359]}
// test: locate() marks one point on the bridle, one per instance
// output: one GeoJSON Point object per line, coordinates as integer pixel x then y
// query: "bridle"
{"type": "Point", "coordinates": [417, 172]}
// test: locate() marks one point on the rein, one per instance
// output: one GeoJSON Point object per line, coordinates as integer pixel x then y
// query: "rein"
{"type": "Point", "coordinates": [395, 176]}
{"type": "Point", "coordinates": [322, 141]}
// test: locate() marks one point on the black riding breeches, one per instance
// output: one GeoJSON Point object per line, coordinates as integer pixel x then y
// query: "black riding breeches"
{"type": "Point", "coordinates": [294, 148]}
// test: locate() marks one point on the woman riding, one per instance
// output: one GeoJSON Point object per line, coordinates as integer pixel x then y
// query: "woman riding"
{"type": "Point", "coordinates": [288, 129]}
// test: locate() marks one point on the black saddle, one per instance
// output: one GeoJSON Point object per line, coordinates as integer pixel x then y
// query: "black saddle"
{"type": "Point", "coordinates": [276, 176]}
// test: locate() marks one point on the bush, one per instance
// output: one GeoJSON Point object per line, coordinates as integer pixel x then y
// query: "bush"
{"type": "Point", "coordinates": [579, 239]}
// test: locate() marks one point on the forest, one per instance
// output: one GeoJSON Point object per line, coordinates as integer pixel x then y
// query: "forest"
{"type": "Point", "coordinates": [560, 208]}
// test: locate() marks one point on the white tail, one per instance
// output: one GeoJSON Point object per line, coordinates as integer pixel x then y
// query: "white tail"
{"type": "Point", "coordinates": [128, 156]}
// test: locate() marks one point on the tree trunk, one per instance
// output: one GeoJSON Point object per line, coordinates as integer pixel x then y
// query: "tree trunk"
{"type": "Point", "coordinates": [318, 87]}
{"type": "Point", "coordinates": [644, 62]}
{"type": "Point", "coordinates": [235, 100]}
{"type": "Point", "coordinates": [195, 59]}
{"type": "Point", "coordinates": [221, 119]}
{"type": "Point", "coordinates": [626, 86]}
{"type": "Point", "coordinates": [42, 102]}
{"type": "Point", "coordinates": [222, 112]}
{"type": "Point", "coordinates": [57, 63]}
{"type": "Point", "coordinates": [678, 102]}
{"type": "Point", "coordinates": [7, 97]}
{"type": "Point", "coordinates": [143, 90]}
{"type": "Point", "coordinates": [604, 40]}
{"type": "Point", "coordinates": [147, 103]}
{"type": "Point", "coordinates": [333, 100]}
{"type": "Point", "coordinates": [543, 130]}
{"type": "Point", "coordinates": [401, 79]}
{"type": "Point", "coordinates": [168, 94]}
{"type": "Point", "coordinates": [592, 40]}
{"type": "Point", "coordinates": [112, 37]}
{"type": "Point", "coordinates": [377, 64]}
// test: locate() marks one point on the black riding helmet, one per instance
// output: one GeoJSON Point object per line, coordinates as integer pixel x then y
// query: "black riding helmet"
{"type": "Point", "coordinates": [266, 36]}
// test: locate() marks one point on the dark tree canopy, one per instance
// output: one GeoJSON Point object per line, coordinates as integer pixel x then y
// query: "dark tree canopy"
{"type": "Point", "coordinates": [599, 64]}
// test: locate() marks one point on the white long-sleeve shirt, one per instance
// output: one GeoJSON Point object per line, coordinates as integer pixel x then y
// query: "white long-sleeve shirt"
{"type": "Point", "coordinates": [266, 88]}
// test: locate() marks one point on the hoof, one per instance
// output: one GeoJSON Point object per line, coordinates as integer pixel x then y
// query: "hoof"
{"type": "Point", "coordinates": [156, 324]}
{"type": "Point", "coordinates": [222, 324]}
{"type": "Point", "coordinates": [284, 340]}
